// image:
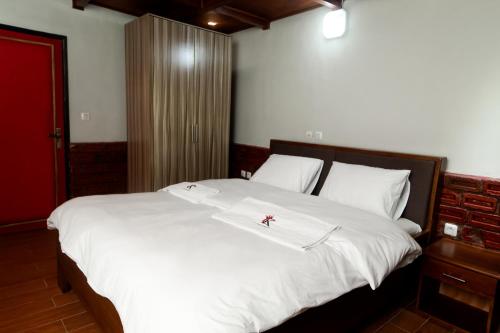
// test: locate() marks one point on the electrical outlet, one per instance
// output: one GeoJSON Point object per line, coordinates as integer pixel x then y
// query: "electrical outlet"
{"type": "Point", "coordinates": [243, 173]}
{"type": "Point", "coordinates": [248, 175]}
{"type": "Point", "coordinates": [450, 229]}
{"type": "Point", "coordinates": [85, 116]}
{"type": "Point", "coordinates": [318, 135]}
{"type": "Point", "coordinates": [309, 134]}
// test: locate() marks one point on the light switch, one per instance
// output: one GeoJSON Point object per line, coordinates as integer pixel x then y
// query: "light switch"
{"type": "Point", "coordinates": [85, 116]}
{"type": "Point", "coordinates": [243, 173]}
{"type": "Point", "coordinates": [318, 135]}
{"type": "Point", "coordinates": [248, 175]}
{"type": "Point", "coordinates": [309, 134]}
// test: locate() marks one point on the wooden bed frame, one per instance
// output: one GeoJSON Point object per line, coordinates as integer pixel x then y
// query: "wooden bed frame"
{"type": "Point", "coordinates": [350, 311]}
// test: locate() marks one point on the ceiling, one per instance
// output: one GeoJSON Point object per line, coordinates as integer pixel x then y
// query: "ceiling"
{"type": "Point", "coordinates": [229, 15]}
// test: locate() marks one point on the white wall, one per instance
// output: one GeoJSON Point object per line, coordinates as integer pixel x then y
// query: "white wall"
{"type": "Point", "coordinates": [412, 76]}
{"type": "Point", "coordinates": [96, 61]}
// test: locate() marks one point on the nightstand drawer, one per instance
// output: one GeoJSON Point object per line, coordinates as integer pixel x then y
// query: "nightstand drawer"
{"type": "Point", "coordinates": [460, 277]}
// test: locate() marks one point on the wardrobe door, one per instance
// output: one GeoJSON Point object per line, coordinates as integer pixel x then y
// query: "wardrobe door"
{"type": "Point", "coordinates": [139, 57]}
{"type": "Point", "coordinates": [173, 115]}
{"type": "Point", "coordinates": [212, 77]}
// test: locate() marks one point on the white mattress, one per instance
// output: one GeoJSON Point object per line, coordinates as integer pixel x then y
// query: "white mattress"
{"type": "Point", "coordinates": [168, 267]}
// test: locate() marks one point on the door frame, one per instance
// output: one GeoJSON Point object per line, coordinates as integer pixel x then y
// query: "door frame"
{"type": "Point", "coordinates": [65, 111]}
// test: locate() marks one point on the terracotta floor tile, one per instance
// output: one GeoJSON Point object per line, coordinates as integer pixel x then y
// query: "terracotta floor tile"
{"type": "Point", "coordinates": [27, 254]}
{"type": "Point", "coordinates": [55, 327]}
{"type": "Point", "coordinates": [430, 327]}
{"type": "Point", "coordinates": [67, 298]}
{"type": "Point", "coordinates": [21, 288]}
{"type": "Point", "coordinates": [33, 320]}
{"type": "Point", "coordinates": [447, 326]}
{"type": "Point", "coordinates": [407, 320]}
{"type": "Point", "coordinates": [380, 322]}
{"type": "Point", "coordinates": [93, 328]}
{"type": "Point", "coordinates": [76, 322]}
{"type": "Point", "coordinates": [42, 294]}
{"type": "Point", "coordinates": [19, 272]}
{"type": "Point", "coordinates": [28, 288]}
{"type": "Point", "coordinates": [33, 306]}
{"type": "Point", "coordinates": [47, 267]}
{"type": "Point", "coordinates": [14, 255]}
{"type": "Point", "coordinates": [390, 328]}
{"type": "Point", "coordinates": [51, 281]}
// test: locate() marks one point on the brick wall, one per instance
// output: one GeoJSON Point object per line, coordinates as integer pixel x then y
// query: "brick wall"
{"type": "Point", "coordinates": [474, 204]}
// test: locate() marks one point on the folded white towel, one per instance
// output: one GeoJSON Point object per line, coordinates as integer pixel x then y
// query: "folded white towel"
{"type": "Point", "coordinates": [192, 192]}
{"type": "Point", "coordinates": [278, 224]}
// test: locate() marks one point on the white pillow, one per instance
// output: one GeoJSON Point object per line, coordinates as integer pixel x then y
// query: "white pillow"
{"type": "Point", "coordinates": [375, 190]}
{"type": "Point", "coordinates": [409, 226]}
{"type": "Point", "coordinates": [294, 173]}
{"type": "Point", "coordinates": [405, 195]}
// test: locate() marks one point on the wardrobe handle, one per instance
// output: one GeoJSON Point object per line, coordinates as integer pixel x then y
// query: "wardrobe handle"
{"type": "Point", "coordinates": [192, 134]}
{"type": "Point", "coordinates": [197, 133]}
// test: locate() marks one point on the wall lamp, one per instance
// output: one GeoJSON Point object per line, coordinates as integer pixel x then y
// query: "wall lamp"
{"type": "Point", "coordinates": [335, 22]}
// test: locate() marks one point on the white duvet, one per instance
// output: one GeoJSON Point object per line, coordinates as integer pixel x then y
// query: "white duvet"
{"type": "Point", "coordinates": [168, 267]}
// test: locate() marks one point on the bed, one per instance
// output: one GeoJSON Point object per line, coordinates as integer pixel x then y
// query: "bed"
{"type": "Point", "coordinates": [339, 307]}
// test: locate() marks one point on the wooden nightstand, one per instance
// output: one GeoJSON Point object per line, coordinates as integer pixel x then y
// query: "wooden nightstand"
{"type": "Point", "coordinates": [459, 283]}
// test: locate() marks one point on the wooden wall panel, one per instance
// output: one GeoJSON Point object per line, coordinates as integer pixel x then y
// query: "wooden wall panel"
{"type": "Point", "coordinates": [244, 157]}
{"type": "Point", "coordinates": [98, 168]}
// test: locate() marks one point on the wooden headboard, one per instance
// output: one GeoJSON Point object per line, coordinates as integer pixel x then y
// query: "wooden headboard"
{"type": "Point", "coordinates": [424, 176]}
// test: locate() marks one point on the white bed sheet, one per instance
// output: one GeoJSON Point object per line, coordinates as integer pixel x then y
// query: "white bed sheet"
{"type": "Point", "coordinates": [168, 267]}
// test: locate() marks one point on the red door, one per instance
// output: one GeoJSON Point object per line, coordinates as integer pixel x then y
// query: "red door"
{"type": "Point", "coordinates": [32, 166]}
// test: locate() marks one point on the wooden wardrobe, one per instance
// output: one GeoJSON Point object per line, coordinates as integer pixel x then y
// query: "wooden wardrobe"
{"type": "Point", "coordinates": [178, 103]}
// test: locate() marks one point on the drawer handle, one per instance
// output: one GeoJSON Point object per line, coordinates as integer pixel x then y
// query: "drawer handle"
{"type": "Point", "coordinates": [454, 278]}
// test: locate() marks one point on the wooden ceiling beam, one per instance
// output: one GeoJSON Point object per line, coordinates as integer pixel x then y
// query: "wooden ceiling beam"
{"type": "Point", "coordinates": [208, 5]}
{"type": "Point", "coordinates": [80, 4]}
{"type": "Point", "coordinates": [244, 16]}
{"type": "Point", "coordinates": [332, 4]}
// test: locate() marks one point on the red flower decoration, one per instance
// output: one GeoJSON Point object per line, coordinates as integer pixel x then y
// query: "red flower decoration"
{"type": "Point", "coordinates": [267, 219]}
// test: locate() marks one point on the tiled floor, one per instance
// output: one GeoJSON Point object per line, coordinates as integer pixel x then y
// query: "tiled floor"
{"type": "Point", "coordinates": [407, 320]}
{"type": "Point", "coordinates": [30, 300]}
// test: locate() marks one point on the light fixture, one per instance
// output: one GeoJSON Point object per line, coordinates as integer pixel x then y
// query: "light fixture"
{"type": "Point", "coordinates": [212, 23]}
{"type": "Point", "coordinates": [334, 23]}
